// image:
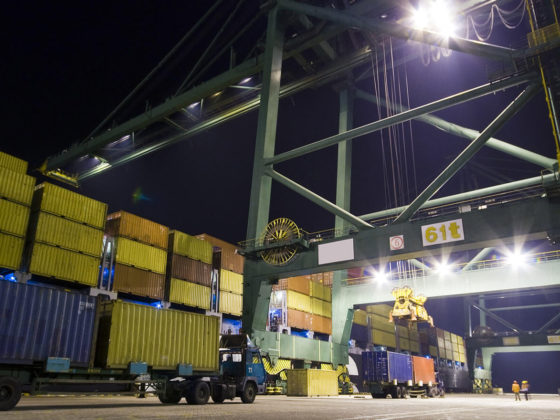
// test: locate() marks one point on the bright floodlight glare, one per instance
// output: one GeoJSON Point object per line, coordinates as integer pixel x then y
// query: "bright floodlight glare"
{"type": "Point", "coordinates": [380, 276]}
{"type": "Point", "coordinates": [443, 268]}
{"type": "Point", "coordinates": [419, 18]}
{"type": "Point", "coordinates": [516, 258]}
{"type": "Point", "coordinates": [246, 80]}
{"type": "Point", "coordinates": [193, 105]}
{"type": "Point", "coordinates": [434, 15]}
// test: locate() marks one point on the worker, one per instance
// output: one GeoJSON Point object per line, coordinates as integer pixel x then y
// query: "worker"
{"type": "Point", "coordinates": [525, 389]}
{"type": "Point", "coordinates": [515, 389]}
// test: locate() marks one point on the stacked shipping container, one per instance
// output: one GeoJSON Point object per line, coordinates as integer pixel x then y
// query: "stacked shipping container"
{"type": "Point", "coordinates": [16, 193]}
{"type": "Point", "coordinates": [189, 270]}
{"type": "Point", "coordinates": [65, 236]}
{"type": "Point", "coordinates": [140, 255]}
{"type": "Point", "coordinates": [444, 344]}
{"type": "Point", "coordinates": [229, 265]}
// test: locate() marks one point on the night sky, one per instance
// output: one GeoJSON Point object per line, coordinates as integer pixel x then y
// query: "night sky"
{"type": "Point", "coordinates": [67, 65]}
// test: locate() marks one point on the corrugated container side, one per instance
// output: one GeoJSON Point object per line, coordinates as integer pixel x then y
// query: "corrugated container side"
{"type": "Point", "coordinates": [16, 186]}
{"type": "Point", "coordinates": [379, 309]}
{"type": "Point", "coordinates": [13, 163]}
{"type": "Point", "coordinates": [231, 282]}
{"type": "Point", "coordinates": [138, 282]}
{"type": "Point", "coordinates": [327, 309]}
{"type": "Point", "coordinates": [460, 340]}
{"type": "Point", "coordinates": [380, 322]}
{"type": "Point", "coordinates": [299, 284]}
{"type": "Point", "coordinates": [414, 346]}
{"type": "Point", "coordinates": [62, 202]}
{"type": "Point", "coordinates": [54, 230]}
{"type": "Point", "coordinates": [413, 335]}
{"type": "Point", "coordinates": [360, 317]}
{"type": "Point", "coordinates": [456, 356]}
{"type": "Point", "coordinates": [13, 218]}
{"type": "Point", "coordinates": [403, 331]}
{"type": "Point", "coordinates": [135, 227]}
{"type": "Point", "coordinates": [11, 250]}
{"type": "Point", "coordinates": [440, 332]}
{"type": "Point", "coordinates": [232, 261]}
{"type": "Point", "coordinates": [190, 294]}
{"type": "Point", "coordinates": [447, 335]}
{"type": "Point", "coordinates": [184, 268]}
{"type": "Point", "coordinates": [404, 343]}
{"type": "Point", "coordinates": [383, 338]}
{"type": "Point", "coordinates": [231, 303]}
{"type": "Point", "coordinates": [453, 338]}
{"type": "Point", "coordinates": [299, 319]}
{"type": "Point", "coordinates": [321, 324]}
{"type": "Point", "coordinates": [311, 382]}
{"type": "Point", "coordinates": [66, 265]}
{"type": "Point", "coordinates": [39, 322]}
{"type": "Point", "coordinates": [190, 246]}
{"type": "Point", "coordinates": [433, 351]}
{"type": "Point", "coordinates": [141, 256]}
{"type": "Point", "coordinates": [298, 301]}
{"type": "Point", "coordinates": [316, 290]}
{"type": "Point", "coordinates": [162, 338]}
{"type": "Point", "coordinates": [462, 358]}
{"type": "Point", "coordinates": [423, 370]}
{"type": "Point", "coordinates": [216, 242]}
{"type": "Point", "coordinates": [400, 367]}
{"type": "Point", "coordinates": [317, 307]}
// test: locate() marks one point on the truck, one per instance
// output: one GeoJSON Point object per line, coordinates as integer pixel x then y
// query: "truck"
{"type": "Point", "coordinates": [57, 341]}
{"type": "Point", "coordinates": [396, 375]}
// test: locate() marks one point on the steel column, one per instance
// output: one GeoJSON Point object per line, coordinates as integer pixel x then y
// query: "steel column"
{"type": "Point", "coordinates": [344, 163]}
{"type": "Point", "coordinates": [266, 128]}
{"type": "Point", "coordinates": [465, 132]}
{"type": "Point", "coordinates": [447, 102]}
{"type": "Point", "coordinates": [482, 314]}
{"type": "Point", "coordinates": [469, 152]}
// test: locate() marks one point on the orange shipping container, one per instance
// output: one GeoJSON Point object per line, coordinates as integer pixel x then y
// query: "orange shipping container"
{"type": "Point", "coordinates": [299, 284]}
{"type": "Point", "coordinates": [423, 370]}
{"type": "Point", "coordinates": [321, 324]}
{"type": "Point", "coordinates": [135, 227]}
{"type": "Point", "coordinates": [194, 271]}
{"type": "Point", "coordinates": [230, 259]}
{"type": "Point", "coordinates": [138, 282]}
{"type": "Point", "coordinates": [299, 319]}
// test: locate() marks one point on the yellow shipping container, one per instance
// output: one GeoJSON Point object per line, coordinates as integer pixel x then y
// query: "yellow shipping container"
{"type": "Point", "coordinates": [414, 346]}
{"type": "Point", "coordinates": [462, 358]}
{"type": "Point", "coordinates": [231, 282]}
{"type": "Point", "coordinates": [413, 335]}
{"type": "Point", "coordinates": [190, 294]}
{"type": "Point", "coordinates": [55, 230]}
{"type": "Point", "coordinates": [379, 309]}
{"type": "Point", "coordinates": [403, 331]}
{"type": "Point", "coordinates": [16, 186]}
{"type": "Point", "coordinates": [327, 309]}
{"type": "Point", "coordinates": [460, 340]}
{"type": "Point", "coordinates": [380, 322]}
{"type": "Point", "coordinates": [317, 306]}
{"type": "Point", "coordinates": [50, 261]}
{"type": "Point", "coordinates": [162, 338]}
{"type": "Point", "coordinates": [135, 227]}
{"type": "Point", "coordinates": [141, 256]}
{"type": "Point", "coordinates": [404, 343]}
{"type": "Point", "coordinates": [327, 293]}
{"type": "Point", "coordinates": [360, 317]}
{"type": "Point", "coordinates": [433, 351]}
{"type": "Point", "coordinates": [231, 303]}
{"type": "Point", "coordinates": [62, 202]}
{"type": "Point", "coordinates": [190, 246]}
{"type": "Point", "coordinates": [453, 338]}
{"type": "Point", "coordinates": [13, 163]}
{"type": "Point", "coordinates": [11, 249]}
{"type": "Point", "coordinates": [456, 356]}
{"type": "Point", "coordinates": [383, 338]}
{"type": "Point", "coordinates": [447, 336]}
{"type": "Point", "coordinates": [13, 218]}
{"type": "Point", "coordinates": [298, 301]}
{"type": "Point", "coordinates": [311, 382]}
{"type": "Point", "coordinates": [455, 347]}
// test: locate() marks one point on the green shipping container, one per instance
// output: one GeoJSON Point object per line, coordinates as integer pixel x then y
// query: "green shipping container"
{"type": "Point", "coordinates": [55, 230]}
{"type": "Point", "coordinates": [50, 261]}
{"type": "Point", "coordinates": [13, 218]}
{"type": "Point", "coordinates": [16, 187]}
{"type": "Point", "coordinates": [162, 338]}
{"type": "Point", "coordinates": [190, 246]}
{"type": "Point", "coordinates": [62, 202]}
{"type": "Point", "coordinates": [140, 255]}
{"type": "Point", "coordinates": [11, 249]}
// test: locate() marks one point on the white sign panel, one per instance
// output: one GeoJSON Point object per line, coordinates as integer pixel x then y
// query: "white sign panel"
{"type": "Point", "coordinates": [336, 251]}
{"type": "Point", "coordinates": [396, 242]}
{"type": "Point", "coordinates": [444, 232]}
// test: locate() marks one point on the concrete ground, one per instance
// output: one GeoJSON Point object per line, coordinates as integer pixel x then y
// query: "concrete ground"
{"type": "Point", "coordinates": [455, 406]}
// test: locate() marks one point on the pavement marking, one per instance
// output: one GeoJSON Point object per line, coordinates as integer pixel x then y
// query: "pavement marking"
{"type": "Point", "coordinates": [411, 414]}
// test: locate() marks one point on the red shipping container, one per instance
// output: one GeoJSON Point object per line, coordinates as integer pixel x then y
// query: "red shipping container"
{"type": "Point", "coordinates": [184, 268]}
{"type": "Point", "coordinates": [423, 370]}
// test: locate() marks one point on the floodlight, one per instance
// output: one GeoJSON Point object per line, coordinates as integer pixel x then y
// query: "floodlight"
{"type": "Point", "coordinates": [246, 80]}
{"type": "Point", "coordinates": [516, 258]}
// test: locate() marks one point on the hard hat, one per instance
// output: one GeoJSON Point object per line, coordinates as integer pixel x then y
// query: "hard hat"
{"type": "Point", "coordinates": [514, 382]}
{"type": "Point", "coordinates": [524, 382]}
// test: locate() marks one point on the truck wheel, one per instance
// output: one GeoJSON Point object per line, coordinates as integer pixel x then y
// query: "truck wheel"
{"type": "Point", "coordinates": [218, 394]}
{"type": "Point", "coordinates": [10, 392]}
{"type": "Point", "coordinates": [398, 392]}
{"type": "Point", "coordinates": [249, 393]}
{"type": "Point", "coordinates": [171, 395]}
{"type": "Point", "coordinates": [199, 393]}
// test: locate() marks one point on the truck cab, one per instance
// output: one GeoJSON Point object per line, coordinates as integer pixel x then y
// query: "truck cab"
{"type": "Point", "coordinates": [241, 370]}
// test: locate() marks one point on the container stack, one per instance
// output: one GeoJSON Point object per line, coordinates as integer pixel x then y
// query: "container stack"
{"type": "Point", "coordinates": [360, 328]}
{"type": "Point", "coordinates": [308, 303]}
{"type": "Point", "coordinates": [229, 265]}
{"type": "Point", "coordinates": [140, 255]}
{"type": "Point", "coordinates": [382, 331]}
{"type": "Point", "coordinates": [65, 236]}
{"type": "Point", "coordinates": [16, 194]}
{"type": "Point", "coordinates": [444, 344]}
{"type": "Point", "coordinates": [189, 270]}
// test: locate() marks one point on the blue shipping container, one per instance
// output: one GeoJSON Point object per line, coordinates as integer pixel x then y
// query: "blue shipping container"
{"type": "Point", "coordinates": [386, 366]}
{"type": "Point", "coordinates": [40, 322]}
